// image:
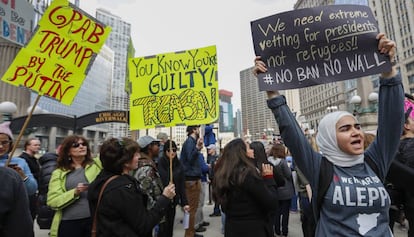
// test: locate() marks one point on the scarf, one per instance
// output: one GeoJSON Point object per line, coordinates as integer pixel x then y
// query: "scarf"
{"type": "Point", "coordinates": [328, 144]}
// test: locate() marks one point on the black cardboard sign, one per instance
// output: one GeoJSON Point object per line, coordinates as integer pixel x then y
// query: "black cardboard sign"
{"type": "Point", "coordinates": [319, 45]}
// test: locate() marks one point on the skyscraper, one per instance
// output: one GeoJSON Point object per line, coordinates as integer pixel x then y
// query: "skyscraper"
{"type": "Point", "coordinates": [120, 42]}
{"type": "Point", "coordinates": [396, 19]}
{"type": "Point", "coordinates": [226, 123]}
{"type": "Point", "coordinates": [257, 119]}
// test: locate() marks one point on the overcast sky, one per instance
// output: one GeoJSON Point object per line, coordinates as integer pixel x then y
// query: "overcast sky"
{"type": "Point", "coordinates": [162, 26]}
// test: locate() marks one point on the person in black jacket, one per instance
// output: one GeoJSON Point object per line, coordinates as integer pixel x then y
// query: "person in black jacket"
{"type": "Point", "coordinates": [404, 156]}
{"type": "Point", "coordinates": [170, 154]}
{"type": "Point", "coordinates": [31, 148]}
{"type": "Point", "coordinates": [261, 158]}
{"type": "Point", "coordinates": [247, 197]}
{"type": "Point", "coordinates": [122, 209]}
{"type": "Point", "coordinates": [15, 218]}
{"type": "Point", "coordinates": [48, 163]}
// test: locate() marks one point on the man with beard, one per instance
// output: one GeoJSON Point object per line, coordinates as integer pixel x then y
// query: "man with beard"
{"type": "Point", "coordinates": [189, 158]}
{"type": "Point", "coordinates": [31, 148]}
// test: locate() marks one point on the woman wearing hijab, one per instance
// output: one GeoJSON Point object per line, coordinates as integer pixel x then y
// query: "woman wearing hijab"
{"type": "Point", "coordinates": [356, 202]}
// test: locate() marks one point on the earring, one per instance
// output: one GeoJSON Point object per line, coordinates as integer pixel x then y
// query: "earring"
{"type": "Point", "coordinates": [70, 158]}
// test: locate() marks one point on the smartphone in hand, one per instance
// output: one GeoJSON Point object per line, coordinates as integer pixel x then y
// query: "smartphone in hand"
{"type": "Point", "coordinates": [13, 166]}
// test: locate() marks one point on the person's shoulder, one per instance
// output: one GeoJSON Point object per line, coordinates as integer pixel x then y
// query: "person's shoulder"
{"type": "Point", "coordinates": [122, 181]}
{"type": "Point", "coordinates": [252, 179]}
{"type": "Point", "coordinates": [407, 140]}
{"type": "Point", "coordinates": [145, 160]}
{"type": "Point", "coordinates": [24, 155]}
{"type": "Point", "coordinates": [18, 160]}
{"type": "Point", "coordinates": [49, 155]}
{"type": "Point", "coordinates": [406, 144]}
{"type": "Point", "coordinates": [8, 174]}
{"type": "Point", "coordinates": [145, 169]}
{"type": "Point", "coordinates": [96, 162]}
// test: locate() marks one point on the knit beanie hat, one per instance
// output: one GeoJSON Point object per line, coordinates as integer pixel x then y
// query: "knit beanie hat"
{"type": "Point", "coordinates": [5, 129]}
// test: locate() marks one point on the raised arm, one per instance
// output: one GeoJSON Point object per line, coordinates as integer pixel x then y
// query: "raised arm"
{"type": "Point", "coordinates": [390, 112]}
{"type": "Point", "coordinates": [292, 134]}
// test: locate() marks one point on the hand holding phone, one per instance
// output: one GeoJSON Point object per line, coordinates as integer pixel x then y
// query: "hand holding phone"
{"type": "Point", "coordinates": [81, 187]}
{"type": "Point", "coordinates": [12, 166]}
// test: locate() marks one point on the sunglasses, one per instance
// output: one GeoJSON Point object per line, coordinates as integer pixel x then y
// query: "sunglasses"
{"type": "Point", "coordinates": [5, 143]}
{"type": "Point", "coordinates": [77, 144]}
{"type": "Point", "coordinates": [173, 150]}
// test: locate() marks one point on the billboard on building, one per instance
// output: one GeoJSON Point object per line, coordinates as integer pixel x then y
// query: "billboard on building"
{"type": "Point", "coordinates": [16, 20]}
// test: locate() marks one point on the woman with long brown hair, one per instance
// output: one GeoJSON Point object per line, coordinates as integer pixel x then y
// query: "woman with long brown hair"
{"type": "Point", "coordinates": [247, 196]}
{"type": "Point", "coordinates": [68, 188]}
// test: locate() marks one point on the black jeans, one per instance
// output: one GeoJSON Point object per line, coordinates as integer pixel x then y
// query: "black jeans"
{"type": "Point", "coordinates": [282, 213]}
{"type": "Point", "coordinates": [306, 217]}
{"type": "Point", "coordinates": [33, 205]}
{"type": "Point", "coordinates": [167, 227]}
{"type": "Point", "coordinates": [78, 228]}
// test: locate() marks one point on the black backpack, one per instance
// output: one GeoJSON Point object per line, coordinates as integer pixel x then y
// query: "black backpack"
{"type": "Point", "coordinates": [325, 179]}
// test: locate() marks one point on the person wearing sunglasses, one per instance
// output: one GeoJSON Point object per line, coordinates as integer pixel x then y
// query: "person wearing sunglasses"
{"type": "Point", "coordinates": [170, 155]}
{"type": "Point", "coordinates": [68, 188]}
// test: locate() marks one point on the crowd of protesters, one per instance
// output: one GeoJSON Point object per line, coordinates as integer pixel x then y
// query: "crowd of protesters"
{"type": "Point", "coordinates": [347, 182]}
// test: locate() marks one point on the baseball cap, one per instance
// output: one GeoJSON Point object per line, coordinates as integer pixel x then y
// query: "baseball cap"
{"type": "Point", "coordinates": [146, 140]}
{"type": "Point", "coordinates": [162, 135]}
{"type": "Point", "coordinates": [211, 147]}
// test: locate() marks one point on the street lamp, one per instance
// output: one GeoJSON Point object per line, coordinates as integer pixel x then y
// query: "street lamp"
{"type": "Point", "coordinates": [7, 108]}
{"type": "Point", "coordinates": [37, 110]}
{"type": "Point", "coordinates": [269, 133]}
{"type": "Point", "coordinates": [372, 104]}
{"type": "Point", "coordinates": [366, 112]}
{"type": "Point", "coordinates": [332, 108]}
{"type": "Point", "coordinates": [373, 101]}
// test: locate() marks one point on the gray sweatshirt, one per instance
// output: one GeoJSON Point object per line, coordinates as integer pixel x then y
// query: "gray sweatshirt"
{"type": "Point", "coordinates": [356, 203]}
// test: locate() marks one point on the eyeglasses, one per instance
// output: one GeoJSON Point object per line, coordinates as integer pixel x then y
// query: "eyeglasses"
{"type": "Point", "coordinates": [173, 150]}
{"type": "Point", "coordinates": [5, 143]}
{"type": "Point", "coordinates": [77, 144]}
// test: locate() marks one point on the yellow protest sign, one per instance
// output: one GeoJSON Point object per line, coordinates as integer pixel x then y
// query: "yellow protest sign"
{"type": "Point", "coordinates": [174, 89]}
{"type": "Point", "coordinates": [55, 61]}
